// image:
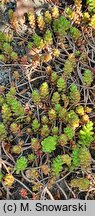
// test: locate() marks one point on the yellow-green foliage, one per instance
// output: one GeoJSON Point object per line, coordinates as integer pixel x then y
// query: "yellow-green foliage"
{"type": "Point", "coordinates": [44, 90]}
{"type": "Point", "coordinates": [87, 77]}
{"type": "Point", "coordinates": [74, 94]}
{"type": "Point", "coordinates": [81, 183]}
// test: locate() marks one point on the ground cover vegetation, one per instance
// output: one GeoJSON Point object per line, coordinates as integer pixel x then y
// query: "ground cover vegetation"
{"type": "Point", "coordinates": [47, 101]}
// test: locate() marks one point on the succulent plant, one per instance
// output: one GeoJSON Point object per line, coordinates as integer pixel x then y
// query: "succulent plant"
{"type": "Point", "coordinates": [14, 103]}
{"type": "Point", "coordinates": [69, 13]}
{"type": "Point", "coordinates": [36, 97]}
{"type": "Point", "coordinates": [55, 130]}
{"type": "Point", "coordinates": [54, 77]}
{"type": "Point", "coordinates": [63, 139]}
{"type": "Point", "coordinates": [48, 40]}
{"type": "Point", "coordinates": [44, 90]}
{"type": "Point", "coordinates": [86, 134]}
{"type": "Point", "coordinates": [80, 110]}
{"type": "Point", "coordinates": [87, 78]}
{"type": "Point", "coordinates": [49, 144]}
{"type": "Point", "coordinates": [68, 68]}
{"type": "Point", "coordinates": [1, 176]}
{"type": "Point", "coordinates": [81, 183]}
{"type": "Point", "coordinates": [31, 18]}
{"type": "Point", "coordinates": [75, 157]}
{"type": "Point", "coordinates": [55, 98]}
{"type": "Point", "coordinates": [62, 113]}
{"type": "Point", "coordinates": [16, 149]}
{"type": "Point", "coordinates": [85, 158]}
{"type": "Point", "coordinates": [37, 41]}
{"type": "Point", "coordinates": [56, 53]}
{"type": "Point", "coordinates": [92, 22]}
{"type": "Point", "coordinates": [6, 113]}
{"type": "Point", "coordinates": [61, 25]}
{"type": "Point", "coordinates": [57, 165]}
{"type": "Point", "coordinates": [45, 131]}
{"type": "Point", "coordinates": [14, 128]}
{"type": "Point", "coordinates": [44, 119]}
{"type": "Point", "coordinates": [41, 22]}
{"type": "Point", "coordinates": [69, 132]}
{"type": "Point", "coordinates": [58, 108]}
{"type": "Point", "coordinates": [86, 17]}
{"type": "Point", "coordinates": [55, 12]}
{"type": "Point", "coordinates": [31, 157]}
{"type": "Point", "coordinates": [35, 125]}
{"type": "Point", "coordinates": [8, 180]}
{"type": "Point", "coordinates": [61, 84]}
{"type": "Point", "coordinates": [30, 45]}
{"type": "Point", "coordinates": [17, 107]}
{"type": "Point", "coordinates": [3, 132]}
{"type": "Point", "coordinates": [75, 33]}
{"type": "Point", "coordinates": [48, 17]}
{"type": "Point", "coordinates": [91, 5]}
{"type": "Point", "coordinates": [35, 144]}
{"type": "Point", "coordinates": [66, 159]}
{"type": "Point", "coordinates": [52, 115]}
{"type": "Point", "coordinates": [74, 94]}
{"type": "Point", "coordinates": [14, 56]}
{"type": "Point", "coordinates": [21, 164]}
{"type": "Point", "coordinates": [65, 99]}
{"type": "Point", "coordinates": [2, 58]}
{"type": "Point", "coordinates": [72, 119]}
{"type": "Point", "coordinates": [7, 48]}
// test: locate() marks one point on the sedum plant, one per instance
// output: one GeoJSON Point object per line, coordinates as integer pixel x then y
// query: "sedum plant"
{"type": "Point", "coordinates": [49, 144]}
{"type": "Point", "coordinates": [44, 90]}
{"type": "Point", "coordinates": [21, 164]}
{"type": "Point", "coordinates": [37, 41]}
{"type": "Point", "coordinates": [35, 144]}
{"type": "Point", "coordinates": [68, 68]}
{"type": "Point", "coordinates": [48, 40]}
{"type": "Point", "coordinates": [81, 183]}
{"type": "Point", "coordinates": [69, 132]}
{"type": "Point", "coordinates": [80, 110]}
{"type": "Point", "coordinates": [8, 180]}
{"type": "Point", "coordinates": [91, 5]}
{"type": "Point", "coordinates": [61, 84]}
{"type": "Point", "coordinates": [57, 165]}
{"type": "Point", "coordinates": [1, 176]}
{"type": "Point", "coordinates": [74, 94]}
{"type": "Point", "coordinates": [36, 97]}
{"type": "Point", "coordinates": [63, 139]}
{"type": "Point", "coordinates": [72, 119]}
{"type": "Point", "coordinates": [6, 113]}
{"type": "Point", "coordinates": [45, 131]}
{"type": "Point", "coordinates": [92, 22]}
{"type": "Point", "coordinates": [31, 19]}
{"type": "Point", "coordinates": [75, 157]}
{"type": "Point", "coordinates": [75, 33]}
{"type": "Point", "coordinates": [55, 12]}
{"type": "Point", "coordinates": [85, 158]}
{"type": "Point", "coordinates": [35, 125]}
{"type": "Point", "coordinates": [3, 132]}
{"type": "Point", "coordinates": [55, 130]}
{"type": "Point", "coordinates": [55, 98]}
{"type": "Point", "coordinates": [86, 134]}
{"type": "Point", "coordinates": [44, 120]}
{"type": "Point", "coordinates": [41, 22]}
{"type": "Point", "coordinates": [87, 78]}
{"type": "Point", "coordinates": [66, 159]}
{"type": "Point", "coordinates": [13, 103]}
{"type": "Point", "coordinates": [61, 25]}
{"type": "Point", "coordinates": [48, 17]}
{"type": "Point", "coordinates": [52, 115]}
